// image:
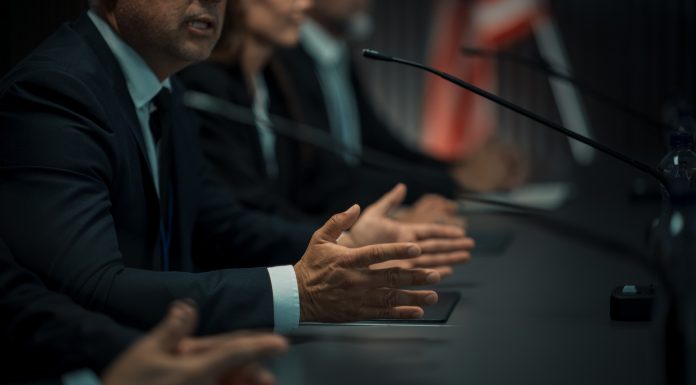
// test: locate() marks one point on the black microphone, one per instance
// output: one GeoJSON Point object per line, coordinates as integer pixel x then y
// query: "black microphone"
{"type": "Point", "coordinates": [652, 171]}
{"type": "Point", "coordinates": [376, 55]}
{"type": "Point", "coordinates": [552, 70]}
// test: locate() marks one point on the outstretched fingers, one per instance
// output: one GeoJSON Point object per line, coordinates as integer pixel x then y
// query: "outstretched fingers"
{"type": "Point", "coordinates": [446, 245]}
{"type": "Point", "coordinates": [389, 201]}
{"type": "Point", "coordinates": [401, 312]}
{"type": "Point", "coordinates": [369, 255]}
{"type": "Point", "coordinates": [394, 277]}
{"type": "Point", "coordinates": [436, 230]}
{"type": "Point", "coordinates": [180, 322]}
{"type": "Point", "coordinates": [391, 298]}
{"type": "Point", "coordinates": [437, 260]}
{"type": "Point", "coordinates": [337, 224]}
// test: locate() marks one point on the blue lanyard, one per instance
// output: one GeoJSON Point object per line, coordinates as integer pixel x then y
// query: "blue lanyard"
{"type": "Point", "coordinates": [166, 234]}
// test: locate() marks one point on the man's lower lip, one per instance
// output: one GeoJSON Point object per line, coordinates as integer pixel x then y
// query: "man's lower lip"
{"type": "Point", "coordinates": [201, 31]}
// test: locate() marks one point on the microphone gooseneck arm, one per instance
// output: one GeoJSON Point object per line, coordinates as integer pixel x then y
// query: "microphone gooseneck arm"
{"type": "Point", "coordinates": [375, 55]}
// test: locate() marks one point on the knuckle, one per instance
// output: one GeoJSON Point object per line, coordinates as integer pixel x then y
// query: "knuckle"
{"type": "Point", "coordinates": [420, 276]}
{"type": "Point", "coordinates": [377, 252]}
{"type": "Point", "coordinates": [370, 256]}
{"type": "Point", "coordinates": [335, 219]}
{"type": "Point", "coordinates": [317, 235]}
{"type": "Point", "coordinates": [391, 299]}
{"type": "Point", "coordinates": [385, 313]}
{"type": "Point", "coordinates": [341, 259]}
{"type": "Point", "coordinates": [392, 277]}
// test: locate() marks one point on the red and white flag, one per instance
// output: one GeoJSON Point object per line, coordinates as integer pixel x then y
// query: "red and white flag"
{"type": "Point", "coordinates": [457, 122]}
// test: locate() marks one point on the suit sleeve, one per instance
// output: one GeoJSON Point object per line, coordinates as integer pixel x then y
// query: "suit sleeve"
{"type": "Point", "coordinates": [38, 325]}
{"type": "Point", "coordinates": [57, 161]}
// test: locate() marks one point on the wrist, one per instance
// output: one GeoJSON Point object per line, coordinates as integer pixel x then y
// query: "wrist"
{"type": "Point", "coordinates": [302, 292]}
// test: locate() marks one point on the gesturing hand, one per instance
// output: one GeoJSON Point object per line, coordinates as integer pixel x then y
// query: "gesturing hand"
{"type": "Point", "coordinates": [495, 166]}
{"type": "Point", "coordinates": [336, 283]}
{"type": "Point", "coordinates": [431, 208]}
{"type": "Point", "coordinates": [168, 356]}
{"type": "Point", "coordinates": [441, 245]}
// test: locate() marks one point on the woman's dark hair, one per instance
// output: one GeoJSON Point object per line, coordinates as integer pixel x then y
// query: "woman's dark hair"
{"type": "Point", "coordinates": [229, 47]}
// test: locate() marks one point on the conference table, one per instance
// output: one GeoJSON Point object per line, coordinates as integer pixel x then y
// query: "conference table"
{"type": "Point", "coordinates": [535, 312]}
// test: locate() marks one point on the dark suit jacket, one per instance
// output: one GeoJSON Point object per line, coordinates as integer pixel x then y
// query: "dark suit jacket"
{"type": "Point", "coordinates": [233, 148]}
{"type": "Point", "coordinates": [79, 207]}
{"type": "Point", "coordinates": [44, 334]}
{"type": "Point", "coordinates": [366, 182]}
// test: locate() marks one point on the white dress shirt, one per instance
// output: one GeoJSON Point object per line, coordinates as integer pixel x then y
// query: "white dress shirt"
{"type": "Point", "coordinates": [333, 70]}
{"type": "Point", "coordinates": [263, 126]}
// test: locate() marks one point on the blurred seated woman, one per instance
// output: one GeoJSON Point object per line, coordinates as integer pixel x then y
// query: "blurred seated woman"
{"type": "Point", "coordinates": [264, 170]}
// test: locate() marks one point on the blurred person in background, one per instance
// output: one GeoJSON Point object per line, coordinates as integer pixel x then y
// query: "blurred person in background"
{"type": "Point", "coordinates": [334, 99]}
{"type": "Point", "coordinates": [272, 172]}
{"type": "Point", "coordinates": [263, 169]}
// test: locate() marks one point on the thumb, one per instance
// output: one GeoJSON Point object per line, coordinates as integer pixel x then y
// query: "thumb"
{"type": "Point", "coordinates": [389, 201]}
{"type": "Point", "coordinates": [337, 224]}
{"type": "Point", "coordinates": [178, 324]}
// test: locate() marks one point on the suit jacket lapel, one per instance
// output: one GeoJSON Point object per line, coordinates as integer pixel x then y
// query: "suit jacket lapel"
{"type": "Point", "coordinates": [89, 32]}
{"type": "Point", "coordinates": [126, 110]}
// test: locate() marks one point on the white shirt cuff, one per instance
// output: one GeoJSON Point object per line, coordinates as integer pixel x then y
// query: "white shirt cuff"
{"type": "Point", "coordinates": [81, 377]}
{"type": "Point", "coordinates": [286, 299]}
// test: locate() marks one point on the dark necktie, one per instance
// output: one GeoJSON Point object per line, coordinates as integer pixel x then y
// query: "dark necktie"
{"type": "Point", "coordinates": [161, 125]}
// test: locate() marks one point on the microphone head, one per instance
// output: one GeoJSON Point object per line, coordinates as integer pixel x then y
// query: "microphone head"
{"type": "Point", "coordinates": [376, 55]}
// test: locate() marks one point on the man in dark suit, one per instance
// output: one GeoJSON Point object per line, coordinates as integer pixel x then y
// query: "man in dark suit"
{"type": "Point", "coordinates": [103, 183]}
{"type": "Point", "coordinates": [64, 340]}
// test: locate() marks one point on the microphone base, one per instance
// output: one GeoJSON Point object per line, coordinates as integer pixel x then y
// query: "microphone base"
{"type": "Point", "coordinates": [632, 303]}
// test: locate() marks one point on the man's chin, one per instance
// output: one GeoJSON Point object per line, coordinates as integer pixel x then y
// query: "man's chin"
{"type": "Point", "coordinates": [195, 54]}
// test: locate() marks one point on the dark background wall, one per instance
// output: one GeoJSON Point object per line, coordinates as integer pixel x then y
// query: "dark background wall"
{"type": "Point", "coordinates": [640, 51]}
{"type": "Point", "coordinates": [25, 23]}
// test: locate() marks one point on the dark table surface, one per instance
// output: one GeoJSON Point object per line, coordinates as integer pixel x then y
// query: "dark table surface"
{"type": "Point", "coordinates": [536, 313]}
